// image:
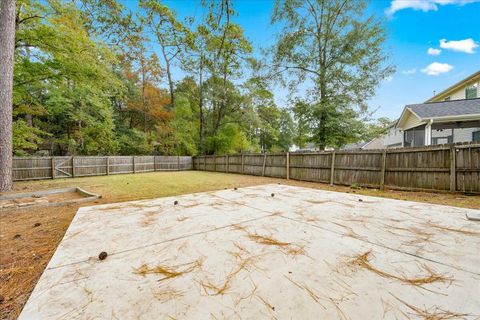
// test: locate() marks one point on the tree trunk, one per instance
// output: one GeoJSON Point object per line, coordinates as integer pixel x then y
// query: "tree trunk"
{"type": "Point", "coordinates": [169, 77]}
{"type": "Point", "coordinates": [222, 107]}
{"type": "Point", "coordinates": [322, 132]}
{"type": "Point", "coordinates": [144, 104]}
{"type": "Point", "coordinates": [28, 116]}
{"type": "Point", "coordinates": [7, 45]}
{"type": "Point", "coordinates": [200, 105]}
{"type": "Point", "coordinates": [171, 85]}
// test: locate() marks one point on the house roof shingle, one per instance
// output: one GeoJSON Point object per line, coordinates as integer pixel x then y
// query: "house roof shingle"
{"type": "Point", "coordinates": [446, 108]}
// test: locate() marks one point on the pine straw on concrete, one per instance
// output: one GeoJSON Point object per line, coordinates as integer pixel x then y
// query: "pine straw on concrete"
{"type": "Point", "coordinates": [286, 247]}
{"type": "Point", "coordinates": [419, 237]}
{"type": "Point", "coordinates": [168, 272]}
{"type": "Point", "coordinates": [331, 201]}
{"type": "Point", "coordinates": [307, 217]}
{"type": "Point", "coordinates": [168, 294]}
{"type": "Point", "coordinates": [432, 313]}
{"type": "Point", "coordinates": [243, 264]}
{"type": "Point", "coordinates": [363, 261]}
{"type": "Point", "coordinates": [350, 232]}
{"type": "Point", "coordinates": [267, 304]}
{"type": "Point", "coordinates": [316, 297]}
{"type": "Point", "coordinates": [248, 296]}
{"type": "Point", "coordinates": [430, 224]}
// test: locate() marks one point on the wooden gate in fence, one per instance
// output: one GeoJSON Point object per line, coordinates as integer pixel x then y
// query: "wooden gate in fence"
{"type": "Point", "coordinates": [442, 168]}
{"type": "Point", "coordinates": [35, 168]}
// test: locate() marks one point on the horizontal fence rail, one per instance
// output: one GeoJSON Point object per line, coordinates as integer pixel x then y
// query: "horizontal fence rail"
{"type": "Point", "coordinates": [37, 168]}
{"type": "Point", "coordinates": [454, 168]}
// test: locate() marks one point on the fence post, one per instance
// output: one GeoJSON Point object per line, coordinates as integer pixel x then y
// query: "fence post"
{"type": "Point", "coordinates": [264, 162]}
{"type": "Point", "coordinates": [288, 165]}
{"type": "Point", "coordinates": [332, 170]}
{"type": "Point", "coordinates": [52, 160]}
{"type": "Point", "coordinates": [154, 163]}
{"type": "Point", "coordinates": [226, 163]}
{"type": "Point", "coordinates": [382, 171]}
{"type": "Point", "coordinates": [242, 163]}
{"type": "Point", "coordinates": [214, 163]}
{"type": "Point", "coordinates": [204, 163]}
{"type": "Point", "coordinates": [133, 161]}
{"type": "Point", "coordinates": [73, 167]}
{"type": "Point", "coordinates": [108, 166]}
{"type": "Point", "coordinates": [178, 163]}
{"type": "Point", "coordinates": [453, 171]}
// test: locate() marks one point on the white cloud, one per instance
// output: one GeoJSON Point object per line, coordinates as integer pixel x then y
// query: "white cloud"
{"type": "Point", "coordinates": [423, 5]}
{"type": "Point", "coordinates": [433, 52]}
{"type": "Point", "coordinates": [397, 5]}
{"type": "Point", "coordinates": [467, 45]}
{"type": "Point", "coordinates": [409, 71]}
{"type": "Point", "coordinates": [436, 68]}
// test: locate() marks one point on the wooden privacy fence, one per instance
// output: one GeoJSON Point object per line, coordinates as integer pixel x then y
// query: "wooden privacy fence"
{"type": "Point", "coordinates": [443, 167]}
{"type": "Point", "coordinates": [33, 168]}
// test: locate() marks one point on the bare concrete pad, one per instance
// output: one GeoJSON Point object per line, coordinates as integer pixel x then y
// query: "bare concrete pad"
{"type": "Point", "coordinates": [243, 254]}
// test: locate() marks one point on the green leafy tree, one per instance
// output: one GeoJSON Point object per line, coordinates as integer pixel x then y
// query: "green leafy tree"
{"type": "Point", "coordinates": [266, 114]}
{"type": "Point", "coordinates": [133, 142]}
{"type": "Point", "coordinates": [25, 137]}
{"type": "Point", "coordinates": [333, 50]}
{"type": "Point", "coordinates": [53, 92]}
{"type": "Point", "coordinates": [303, 127]}
{"type": "Point", "coordinates": [217, 52]}
{"type": "Point", "coordinates": [109, 21]}
{"type": "Point", "coordinates": [184, 127]}
{"type": "Point", "coordinates": [287, 129]}
{"type": "Point", "coordinates": [170, 34]}
{"type": "Point", "coordinates": [229, 139]}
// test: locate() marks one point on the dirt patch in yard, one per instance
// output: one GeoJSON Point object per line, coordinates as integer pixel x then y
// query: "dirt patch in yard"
{"type": "Point", "coordinates": [29, 237]}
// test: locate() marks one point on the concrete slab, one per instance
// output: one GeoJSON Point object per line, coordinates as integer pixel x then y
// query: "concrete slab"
{"type": "Point", "coordinates": [243, 254]}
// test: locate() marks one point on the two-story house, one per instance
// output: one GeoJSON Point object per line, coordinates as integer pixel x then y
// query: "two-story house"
{"type": "Point", "coordinates": [450, 116]}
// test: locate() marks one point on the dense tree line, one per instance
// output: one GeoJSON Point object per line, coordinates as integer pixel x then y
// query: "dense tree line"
{"type": "Point", "coordinates": [93, 77]}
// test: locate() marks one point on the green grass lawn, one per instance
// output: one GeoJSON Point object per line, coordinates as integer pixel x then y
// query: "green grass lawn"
{"type": "Point", "coordinates": [124, 187]}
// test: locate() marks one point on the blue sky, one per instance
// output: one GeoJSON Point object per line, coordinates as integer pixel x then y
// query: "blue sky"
{"type": "Point", "coordinates": [413, 27]}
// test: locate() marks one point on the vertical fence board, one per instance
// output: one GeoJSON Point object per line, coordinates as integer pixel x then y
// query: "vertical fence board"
{"type": "Point", "coordinates": [287, 167]}
{"type": "Point", "coordinates": [467, 169]}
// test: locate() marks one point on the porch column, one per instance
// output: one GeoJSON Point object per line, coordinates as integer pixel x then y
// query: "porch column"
{"type": "Point", "coordinates": [428, 133]}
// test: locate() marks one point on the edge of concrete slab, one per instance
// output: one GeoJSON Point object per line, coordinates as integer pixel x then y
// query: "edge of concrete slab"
{"type": "Point", "coordinates": [88, 196]}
